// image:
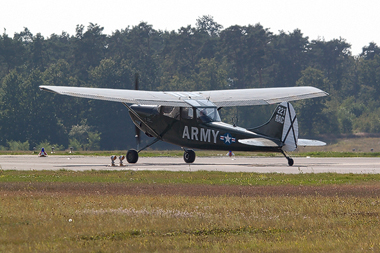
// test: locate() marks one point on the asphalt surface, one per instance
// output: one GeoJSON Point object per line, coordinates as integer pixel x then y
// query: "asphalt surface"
{"type": "Point", "coordinates": [227, 164]}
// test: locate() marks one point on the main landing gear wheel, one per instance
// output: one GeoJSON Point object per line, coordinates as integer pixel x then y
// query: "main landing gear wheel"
{"type": "Point", "coordinates": [189, 156]}
{"type": "Point", "coordinates": [132, 156]}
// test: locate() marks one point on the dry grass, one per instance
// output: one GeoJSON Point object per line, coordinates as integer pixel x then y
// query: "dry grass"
{"type": "Point", "coordinates": [120, 218]}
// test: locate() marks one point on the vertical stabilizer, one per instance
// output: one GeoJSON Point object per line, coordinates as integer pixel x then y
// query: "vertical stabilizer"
{"type": "Point", "coordinates": [283, 126]}
{"type": "Point", "coordinates": [290, 130]}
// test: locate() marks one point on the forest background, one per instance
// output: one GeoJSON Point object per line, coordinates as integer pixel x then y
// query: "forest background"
{"type": "Point", "coordinates": [204, 57]}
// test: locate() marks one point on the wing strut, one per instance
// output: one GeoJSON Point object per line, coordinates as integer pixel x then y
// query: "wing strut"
{"type": "Point", "coordinates": [155, 134]}
{"type": "Point", "coordinates": [158, 137]}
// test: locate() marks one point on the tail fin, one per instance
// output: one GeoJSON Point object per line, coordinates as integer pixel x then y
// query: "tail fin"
{"type": "Point", "coordinates": [283, 126]}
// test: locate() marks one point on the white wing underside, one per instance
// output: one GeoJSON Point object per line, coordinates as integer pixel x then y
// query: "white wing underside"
{"type": "Point", "coordinates": [220, 98]}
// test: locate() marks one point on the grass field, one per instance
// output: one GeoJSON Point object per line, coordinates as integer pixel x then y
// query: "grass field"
{"type": "Point", "coordinates": [127, 211]}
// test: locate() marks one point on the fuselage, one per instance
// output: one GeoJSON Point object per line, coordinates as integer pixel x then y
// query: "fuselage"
{"type": "Point", "coordinates": [198, 128]}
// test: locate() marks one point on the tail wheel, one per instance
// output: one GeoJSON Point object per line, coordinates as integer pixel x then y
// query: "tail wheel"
{"type": "Point", "coordinates": [189, 156]}
{"type": "Point", "coordinates": [290, 161]}
{"type": "Point", "coordinates": [132, 156]}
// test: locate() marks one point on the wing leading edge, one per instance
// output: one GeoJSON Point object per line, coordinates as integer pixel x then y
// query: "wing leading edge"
{"type": "Point", "coordinates": [221, 98]}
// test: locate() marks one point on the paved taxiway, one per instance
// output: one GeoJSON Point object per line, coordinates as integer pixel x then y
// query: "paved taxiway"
{"type": "Point", "coordinates": [238, 164]}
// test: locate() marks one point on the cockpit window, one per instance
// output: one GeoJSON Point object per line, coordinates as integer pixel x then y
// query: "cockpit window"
{"type": "Point", "coordinates": [186, 113]}
{"type": "Point", "coordinates": [207, 114]}
{"type": "Point", "coordinates": [170, 111]}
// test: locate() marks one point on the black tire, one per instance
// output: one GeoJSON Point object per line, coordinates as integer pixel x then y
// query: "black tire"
{"type": "Point", "coordinates": [132, 156]}
{"type": "Point", "coordinates": [290, 161]}
{"type": "Point", "coordinates": [189, 156]}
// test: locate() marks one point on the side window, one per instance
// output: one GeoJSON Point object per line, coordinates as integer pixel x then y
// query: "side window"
{"type": "Point", "coordinates": [187, 113]}
{"type": "Point", "coordinates": [207, 115]}
{"type": "Point", "coordinates": [170, 111]}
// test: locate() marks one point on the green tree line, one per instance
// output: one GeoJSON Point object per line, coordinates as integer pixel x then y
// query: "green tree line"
{"type": "Point", "coordinates": [207, 56]}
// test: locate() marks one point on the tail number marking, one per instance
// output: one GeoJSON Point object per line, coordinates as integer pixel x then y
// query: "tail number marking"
{"type": "Point", "coordinates": [280, 115]}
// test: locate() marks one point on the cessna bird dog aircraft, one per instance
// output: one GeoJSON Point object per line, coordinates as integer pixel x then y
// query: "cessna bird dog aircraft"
{"type": "Point", "coordinates": [191, 119]}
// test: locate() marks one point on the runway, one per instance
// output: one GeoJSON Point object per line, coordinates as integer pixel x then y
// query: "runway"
{"type": "Point", "coordinates": [226, 164]}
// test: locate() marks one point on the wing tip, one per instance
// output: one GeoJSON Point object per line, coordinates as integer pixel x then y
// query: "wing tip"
{"type": "Point", "coordinates": [46, 88]}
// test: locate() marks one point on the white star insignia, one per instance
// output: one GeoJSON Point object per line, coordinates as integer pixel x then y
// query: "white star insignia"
{"type": "Point", "coordinates": [228, 138]}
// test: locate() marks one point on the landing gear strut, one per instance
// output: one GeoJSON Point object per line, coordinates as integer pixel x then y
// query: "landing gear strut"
{"type": "Point", "coordinates": [133, 155]}
{"type": "Point", "coordinates": [290, 160]}
{"type": "Point", "coordinates": [189, 156]}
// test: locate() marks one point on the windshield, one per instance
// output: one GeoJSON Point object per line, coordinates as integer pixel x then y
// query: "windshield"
{"type": "Point", "coordinates": [207, 114]}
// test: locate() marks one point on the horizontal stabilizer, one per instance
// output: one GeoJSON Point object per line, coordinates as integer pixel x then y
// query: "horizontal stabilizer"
{"type": "Point", "coordinates": [260, 142]}
{"type": "Point", "coordinates": [313, 143]}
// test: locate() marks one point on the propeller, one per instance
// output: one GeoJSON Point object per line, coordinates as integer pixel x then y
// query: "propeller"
{"type": "Point", "coordinates": [137, 130]}
{"type": "Point", "coordinates": [235, 119]}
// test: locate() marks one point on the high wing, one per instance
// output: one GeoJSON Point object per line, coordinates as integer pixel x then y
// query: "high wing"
{"type": "Point", "coordinates": [119, 95]}
{"type": "Point", "coordinates": [221, 98]}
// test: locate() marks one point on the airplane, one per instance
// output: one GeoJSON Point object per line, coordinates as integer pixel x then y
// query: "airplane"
{"type": "Point", "coordinates": [191, 120]}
